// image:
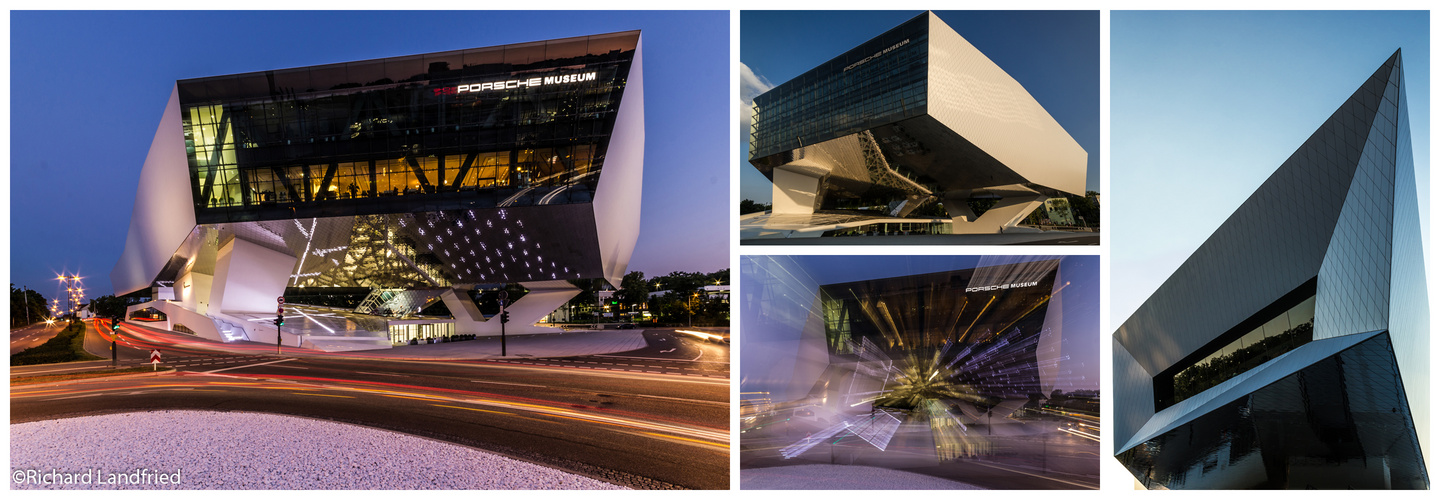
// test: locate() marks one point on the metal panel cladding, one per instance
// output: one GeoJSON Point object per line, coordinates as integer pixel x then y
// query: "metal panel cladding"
{"type": "Point", "coordinates": [976, 98]}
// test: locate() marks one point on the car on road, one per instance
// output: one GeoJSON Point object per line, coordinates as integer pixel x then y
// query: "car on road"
{"type": "Point", "coordinates": [627, 326]}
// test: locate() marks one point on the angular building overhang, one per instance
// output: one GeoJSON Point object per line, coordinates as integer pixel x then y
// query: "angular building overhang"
{"type": "Point", "coordinates": [1337, 222]}
{"type": "Point", "coordinates": [944, 118]}
{"type": "Point", "coordinates": [520, 163]}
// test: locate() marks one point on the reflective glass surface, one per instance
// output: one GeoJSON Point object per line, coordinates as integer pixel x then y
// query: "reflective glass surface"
{"type": "Point", "coordinates": [1277, 336]}
{"type": "Point", "coordinates": [1341, 423]}
{"type": "Point", "coordinates": [513, 125]}
{"type": "Point", "coordinates": [882, 81]}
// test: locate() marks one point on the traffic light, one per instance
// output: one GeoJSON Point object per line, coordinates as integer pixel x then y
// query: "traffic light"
{"type": "Point", "coordinates": [504, 317]}
{"type": "Point", "coordinates": [115, 325]}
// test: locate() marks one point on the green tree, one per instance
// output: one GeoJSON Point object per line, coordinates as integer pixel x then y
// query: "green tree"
{"type": "Point", "coordinates": [1086, 207]}
{"type": "Point", "coordinates": [750, 207]}
{"type": "Point", "coordinates": [108, 306]}
{"type": "Point", "coordinates": [26, 307]}
{"type": "Point", "coordinates": [721, 277]}
{"type": "Point", "coordinates": [634, 290]}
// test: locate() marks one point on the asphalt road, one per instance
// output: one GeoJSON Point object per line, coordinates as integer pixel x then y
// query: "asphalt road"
{"type": "Point", "coordinates": [33, 335]}
{"type": "Point", "coordinates": [666, 352]}
{"type": "Point", "coordinates": [638, 429]}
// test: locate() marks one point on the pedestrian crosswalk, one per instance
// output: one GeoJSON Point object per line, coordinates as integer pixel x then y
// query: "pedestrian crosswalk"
{"type": "Point", "coordinates": [679, 367]}
{"type": "Point", "coordinates": [199, 361]}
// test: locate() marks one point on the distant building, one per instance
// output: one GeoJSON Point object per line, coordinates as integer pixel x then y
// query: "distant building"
{"type": "Point", "coordinates": [1059, 212]}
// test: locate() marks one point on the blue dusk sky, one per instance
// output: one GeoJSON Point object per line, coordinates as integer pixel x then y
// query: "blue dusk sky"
{"type": "Point", "coordinates": [1206, 105]}
{"type": "Point", "coordinates": [1055, 55]}
{"type": "Point", "coordinates": [791, 299]}
{"type": "Point", "coordinates": [88, 90]}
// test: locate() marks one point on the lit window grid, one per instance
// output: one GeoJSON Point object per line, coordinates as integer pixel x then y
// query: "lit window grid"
{"type": "Point", "coordinates": [828, 102]}
{"type": "Point", "coordinates": [575, 113]}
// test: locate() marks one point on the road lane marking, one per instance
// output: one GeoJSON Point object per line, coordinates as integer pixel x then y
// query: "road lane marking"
{"type": "Point", "coordinates": [325, 395]}
{"type": "Point", "coordinates": [74, 397]}
{"type": "Point", "coordinates": [384, 374]}
{"type": "Point", "coordinates": [409, 397]}
{"type": "Point", "coordinates": [699, 401]}
{"type": "Point", "coordinates": [708, 443]}
{"type": "Point", "coordinates": [505, 383]}
{"type": "Point", "coordinates": [654, 359]}
{"type": "Point", "coordinates": [249, 366]}
{"type": "Point", "coordinates": [474, 409]}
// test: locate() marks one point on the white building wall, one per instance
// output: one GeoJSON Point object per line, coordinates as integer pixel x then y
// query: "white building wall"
{"type": "Point", "coordinates": [976, 98]}
{"type": "Point", "coordinates": [193, 291]}
{"type": "Point", "coordinates": [164, 212]}
{"type": "Point", "coordinates": [617, 196]}
{"type": "Point", "coordinates": [249, 277]}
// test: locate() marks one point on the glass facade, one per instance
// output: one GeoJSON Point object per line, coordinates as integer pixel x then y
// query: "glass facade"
{"type": "Point", "coordinates": [880, 82]}
{"type": "Point", "coordinates": [1279, 335]}
{"type": "Point", "coordinates": [420, 332]}
{"type": "Point", "coordinates": [988, 334]}
{"type": "Point", "coordinates": [512, 125]}
{"type": "Point", "coordinates": [1341, 423]}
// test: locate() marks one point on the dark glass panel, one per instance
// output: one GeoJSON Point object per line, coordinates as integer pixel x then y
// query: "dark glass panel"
{"type": "Point", "coordinates": [328, 76]}
{"type": "Point", "coordinates": [484, 60]}
{"type": "Point", "coordinates": [566, 49]}
{"type": "Point", "coordinates": [612, 42]}
{"type": "Point", "coordinates": [252, 85]}
{"type": "Point", "coordinates": [366, 73]}
{"type": "Point", "coordinates": [524, 53]}
{"type": "Point", "coordinates": [404, 69]}
{"type": "Point", "coordinates": [444, 64]}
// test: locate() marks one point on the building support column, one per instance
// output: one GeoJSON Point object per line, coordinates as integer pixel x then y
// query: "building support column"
{"type": "Point", "coordinates": [794, 193]}
{"type": "Point", "coordinates": [543, 298]}
{"type": "Point", "coordinates": [1008, 212]}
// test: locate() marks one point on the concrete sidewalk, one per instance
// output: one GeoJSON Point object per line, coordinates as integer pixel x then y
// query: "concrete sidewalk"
{"type": "Point", "coordinates": [549, 345]}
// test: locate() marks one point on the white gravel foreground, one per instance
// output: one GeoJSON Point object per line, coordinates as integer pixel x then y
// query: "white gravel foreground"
{"type": "Point", "coordinates": [232, 450]}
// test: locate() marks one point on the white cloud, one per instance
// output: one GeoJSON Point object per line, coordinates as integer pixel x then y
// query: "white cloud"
{"type": "Point", "coordinates": [751, 85]}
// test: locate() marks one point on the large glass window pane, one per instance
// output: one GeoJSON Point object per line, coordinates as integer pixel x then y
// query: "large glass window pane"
{"type": "Point", "coordinates": [525, 53]}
